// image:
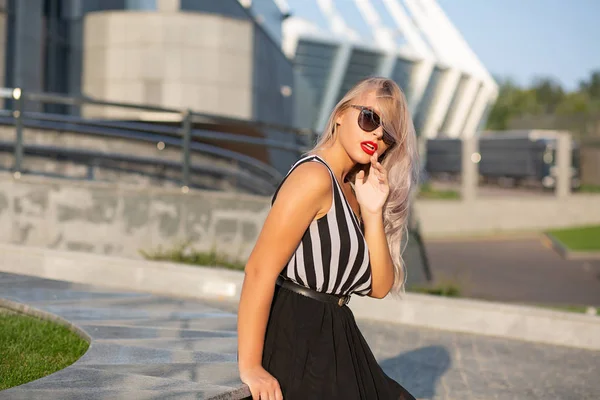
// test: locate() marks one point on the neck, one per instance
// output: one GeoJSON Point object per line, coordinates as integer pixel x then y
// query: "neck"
{"type": "Point", "coordinates": [338, 160]}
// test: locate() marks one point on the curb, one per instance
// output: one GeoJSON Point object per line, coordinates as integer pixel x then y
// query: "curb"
{"type": "Point", "coordinates": [483, 237]}
{"type": "Point", "coordinates": [567, 254]}
{"type": "Point", "coordinates": [26, 309]}
{"type": "Point", "coordinates": [459, 315]}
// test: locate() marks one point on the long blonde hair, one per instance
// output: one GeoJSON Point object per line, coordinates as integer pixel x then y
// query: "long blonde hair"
{"type": "Point", "coordinates": [400, 161]}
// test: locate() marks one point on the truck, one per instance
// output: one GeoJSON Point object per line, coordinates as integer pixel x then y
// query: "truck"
{"type": "Point", "coordinates": [511, 158]}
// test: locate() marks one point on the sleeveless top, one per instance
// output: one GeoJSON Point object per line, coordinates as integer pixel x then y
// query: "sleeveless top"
{"type": "Point", "coordinates": [332, 256]}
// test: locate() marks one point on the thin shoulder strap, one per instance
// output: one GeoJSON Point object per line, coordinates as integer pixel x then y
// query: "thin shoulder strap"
{"type": "Point", "coordinates": [296, 165]}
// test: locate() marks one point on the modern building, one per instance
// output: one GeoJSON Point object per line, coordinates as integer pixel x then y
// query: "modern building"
{"type": "Point", "coordinates": [207, 55]}
{"type": "Point", "coordinates": [277, 61]}
{"type": "Point", "coordinates": [334, 43]}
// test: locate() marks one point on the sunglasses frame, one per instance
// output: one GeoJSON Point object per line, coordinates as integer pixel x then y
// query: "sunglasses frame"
{"type": "Point", "coordinates": [388, 139]}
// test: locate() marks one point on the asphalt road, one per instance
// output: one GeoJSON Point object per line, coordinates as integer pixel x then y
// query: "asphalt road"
{"type": "Point", "coordinates": [514, 270]}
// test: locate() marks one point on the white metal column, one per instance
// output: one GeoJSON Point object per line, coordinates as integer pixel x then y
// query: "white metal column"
{"type": "Point", "coordinates": [484, 97]}
{"type": "Point", "coordinates": [419, 79]}
{"type": "Point", "coordinates": [456, 117]}
{"type": "Point", "coordinates": [440, 103]}
{"type": "Point", "coordinates": [334, 83]}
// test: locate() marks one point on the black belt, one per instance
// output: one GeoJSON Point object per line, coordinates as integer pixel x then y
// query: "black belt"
{"type": "Point", "coordinates": [313, 294]}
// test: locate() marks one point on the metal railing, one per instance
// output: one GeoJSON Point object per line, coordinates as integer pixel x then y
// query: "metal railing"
{"type": "Point", "coordinates": [177, 130]}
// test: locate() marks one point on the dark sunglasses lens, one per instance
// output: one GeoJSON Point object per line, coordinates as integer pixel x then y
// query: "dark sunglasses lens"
{"type": "Point", "coordinates": [368, 120]}
{"type": "Point", "coordinates": [388, 139]}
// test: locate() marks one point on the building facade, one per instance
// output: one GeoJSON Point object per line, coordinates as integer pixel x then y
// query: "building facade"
{"type": "Point", "coordinates": [277, 61]}
{"type": "Point", "coordinates": [209, 56]}
{"type": "Point", "coordinates": [334, 43]}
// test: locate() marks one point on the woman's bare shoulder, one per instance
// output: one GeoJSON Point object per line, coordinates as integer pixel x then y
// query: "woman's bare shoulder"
{"type": "Point", "coordinates": [310, 180]}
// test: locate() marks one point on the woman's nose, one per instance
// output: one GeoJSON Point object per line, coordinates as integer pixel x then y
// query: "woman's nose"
{"type": "Point", "coordinates": [378, 133]}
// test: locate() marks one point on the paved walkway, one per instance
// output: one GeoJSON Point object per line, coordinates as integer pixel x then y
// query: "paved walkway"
{"type": "Point", "coordinates": [143, 346]}
{"type": "Point", "coordinates": [152, 347]}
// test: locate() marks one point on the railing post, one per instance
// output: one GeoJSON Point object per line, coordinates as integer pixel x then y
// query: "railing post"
{"type": "Point", "coordinates": [186, 132]}
{"type": "Point", "coordinates": [563, 164]}
{"type": "Point", "coordinates": [17, 95]}
{"type": "Point", "coordinates": [470, 168]}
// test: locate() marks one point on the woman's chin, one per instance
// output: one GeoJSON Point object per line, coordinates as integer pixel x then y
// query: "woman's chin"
{"type": "Point", "coordinates": [363, 158]}
{"type": "Point", "coordinates": [359, 156]}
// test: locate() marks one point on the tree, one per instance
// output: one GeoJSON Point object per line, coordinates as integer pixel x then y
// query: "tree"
{"type": "Point", "coordinates": [575, 103]}
{"type": "Point", "coordinates": [549, 94]}
{"type": "Point", "coordinates": [544, 104]}
{"type": "Point", "coordinates": [512, 102]}
{"type": "Point", "coordinates": [592, 86]}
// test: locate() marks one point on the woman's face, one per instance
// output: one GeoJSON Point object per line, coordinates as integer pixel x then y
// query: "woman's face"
{"type": "Point", "coordinates": [358, 143]}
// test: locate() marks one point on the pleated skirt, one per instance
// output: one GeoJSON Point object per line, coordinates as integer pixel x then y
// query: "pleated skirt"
{"type": "Point", "coordinates": [316, 351]}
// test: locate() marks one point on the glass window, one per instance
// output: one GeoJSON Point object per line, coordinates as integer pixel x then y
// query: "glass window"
{"type": "Point", "coordinates": [149, 5]}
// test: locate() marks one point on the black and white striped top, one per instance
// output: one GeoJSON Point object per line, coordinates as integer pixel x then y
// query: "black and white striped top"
{"type": "Point", "coordinates": [332, 256]}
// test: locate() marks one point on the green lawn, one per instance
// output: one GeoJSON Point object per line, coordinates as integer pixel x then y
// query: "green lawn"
{"type": "Point", "coordinates": [186, 255]}
{"type": "Point", "coordinates": [575, 309]}
{"type": "Point", "coordinates": [443, 289]}
{"type": "Point", "coordinates": [589, 189]}
{"type": "Point", "coordinates": [586, 238]}
{"type": "Point", "coordinates": [31, 348]}
{"type": "Point", "coordinates": [426, 191]}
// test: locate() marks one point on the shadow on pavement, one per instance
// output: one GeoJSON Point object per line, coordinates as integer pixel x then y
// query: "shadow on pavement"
{"type": "Point", "coordinates": [419, 370]}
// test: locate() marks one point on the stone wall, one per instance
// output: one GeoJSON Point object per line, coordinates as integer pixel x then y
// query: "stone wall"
{"type": "Point", "coordinates": [118, 219]}
{"type": "Point", "coordinates": [122, 220]}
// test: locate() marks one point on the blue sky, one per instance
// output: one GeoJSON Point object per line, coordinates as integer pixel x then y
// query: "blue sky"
{"type": "Point", "coordinates": [528, 38]}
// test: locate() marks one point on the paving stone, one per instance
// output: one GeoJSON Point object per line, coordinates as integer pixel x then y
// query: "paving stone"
{"type": "Point", "coordinates": [216, 344]}
{"type": "Point", "coordinates": [473, 367]}
{"type": "Point", "coordinates": [226, 322]}
{"type": "Point", "coordinates": [155, 347]}
{"type": "Point", "coordinates": [109, 353]}
{"type": "Point", "coordinates": [128, 332]}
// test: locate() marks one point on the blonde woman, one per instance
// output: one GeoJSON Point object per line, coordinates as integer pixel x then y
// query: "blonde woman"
{"type": "Point", "coordinates": [334, 230]}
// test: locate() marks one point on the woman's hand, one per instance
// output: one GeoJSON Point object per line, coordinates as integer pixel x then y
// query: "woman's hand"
{"type": "Point", "coordinates": [263, 385]}
{"type": "Point", "coordinates": [372, 191]}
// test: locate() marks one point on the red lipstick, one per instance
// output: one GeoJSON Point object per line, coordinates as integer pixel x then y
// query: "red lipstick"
{"type": "Point", "coordinates": [369, 147]}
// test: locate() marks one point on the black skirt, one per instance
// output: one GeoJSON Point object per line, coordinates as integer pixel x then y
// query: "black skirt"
{"type": "Point", "coordinates": [316, 351]}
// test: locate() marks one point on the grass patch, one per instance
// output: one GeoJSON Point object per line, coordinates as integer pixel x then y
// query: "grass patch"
{"type": "Point", "coordinates": [586, 238]}
{"type": "Point", "coordinates": [570, 308]}
{"type": "Point", "coordinates": [426, 191]}
{"type": "Point", "coordinates": [184, 254]}
{"type": "Point", "coordinates": [442, 289]}
{"type": "Point", "coordinates": [589, 189]}
{"type": "Point", "coordinates": [32, 348]}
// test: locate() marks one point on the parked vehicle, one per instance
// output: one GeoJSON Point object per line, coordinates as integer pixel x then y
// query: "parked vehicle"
{"type": "Point", "coordinates": [507, 158]}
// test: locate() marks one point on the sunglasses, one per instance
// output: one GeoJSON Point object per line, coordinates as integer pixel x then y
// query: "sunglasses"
{"type": "Point", "coordinates": [369, 120]}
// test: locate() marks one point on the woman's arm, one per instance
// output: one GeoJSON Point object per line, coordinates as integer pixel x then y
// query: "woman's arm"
{"type": "Point", "coordinates": [371, 193]}
{"type": "Point", "coordinates": [302, 196]}
{"type": "Point", "coordinates": [382, 267]}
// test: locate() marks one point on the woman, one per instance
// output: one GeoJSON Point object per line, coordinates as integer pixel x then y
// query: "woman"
{"type": "Point", "coordinates": [334, 229]}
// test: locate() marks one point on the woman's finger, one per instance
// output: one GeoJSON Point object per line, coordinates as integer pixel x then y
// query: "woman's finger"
{"type": "Point", "coordinates": [384, 174]}
{"type": "Point", "coordinates": [278, 394]}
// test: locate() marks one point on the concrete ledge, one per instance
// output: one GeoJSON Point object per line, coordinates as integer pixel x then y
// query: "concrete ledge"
{"type": "Point", "coordinates": [567, 254]}
{"type": "Point", "coordinates": [462, 315]}
{"type": "Point", "coordinates": [438, 218]}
